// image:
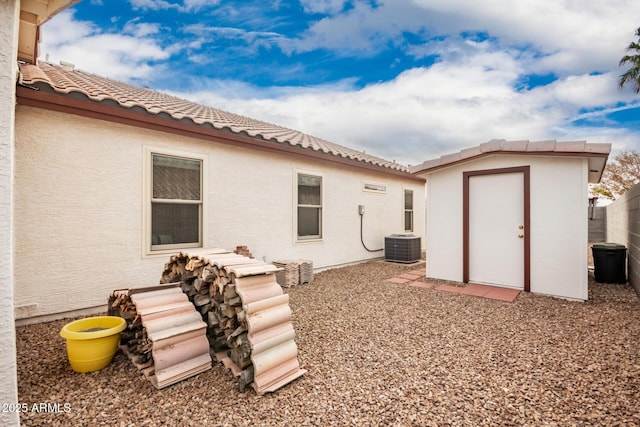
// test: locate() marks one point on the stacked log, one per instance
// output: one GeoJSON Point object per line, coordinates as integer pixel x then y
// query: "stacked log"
{"type": "Point", "coordinates": [205, 280]}
{"type": "Point", "coordinates": [134, 340]}
{"type": "Point", "coordinates": [209, 279]}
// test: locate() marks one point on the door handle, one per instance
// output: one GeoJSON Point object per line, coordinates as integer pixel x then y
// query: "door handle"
{"type": "Point", "coordinates": [521, 236]}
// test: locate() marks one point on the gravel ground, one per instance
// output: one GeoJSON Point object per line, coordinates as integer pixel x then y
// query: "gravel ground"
{"type": "Point", "coordinates": [382, 354]}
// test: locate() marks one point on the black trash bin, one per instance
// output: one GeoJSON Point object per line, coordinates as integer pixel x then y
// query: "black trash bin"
{"type": "Point", "coordinates": [609, 262]}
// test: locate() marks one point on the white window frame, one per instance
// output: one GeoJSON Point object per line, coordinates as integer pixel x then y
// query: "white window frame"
{"type": "Point", "coordinates": [148, 248]}
{"type": "Point", "coordinates": [374, 187]}
{"type": "Point", "coordinates": [296, 237]}
{"type": "Point", "coordinates": [405, 210]}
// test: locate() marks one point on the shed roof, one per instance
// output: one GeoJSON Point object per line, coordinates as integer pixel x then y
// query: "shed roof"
{"type": "Point", "coordinates": [596, 153]}
{"type": "Point", "coordinates": [66, 80]}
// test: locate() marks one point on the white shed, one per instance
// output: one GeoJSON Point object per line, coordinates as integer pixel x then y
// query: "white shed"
{"type": "Point", "coordinates": [512, 214]}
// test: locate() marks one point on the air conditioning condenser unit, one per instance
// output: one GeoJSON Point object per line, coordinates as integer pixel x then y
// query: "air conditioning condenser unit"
{"type": "Point", "coordinates": [403, 248]}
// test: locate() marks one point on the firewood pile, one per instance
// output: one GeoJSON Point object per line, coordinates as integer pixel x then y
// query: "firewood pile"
{"type": "Point", "coordinates": [165, 337]}
{"type": "Point", "coordinates": [246, 313]}
{"type": "Point", "coordinates": [134, 339]}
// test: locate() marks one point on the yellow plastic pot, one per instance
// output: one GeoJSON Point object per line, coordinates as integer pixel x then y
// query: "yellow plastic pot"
{"type": "Point", "coordinates": [92, 342]}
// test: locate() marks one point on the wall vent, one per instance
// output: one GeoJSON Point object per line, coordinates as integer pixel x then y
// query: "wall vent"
{"type": "Point", "coordinates": [402, 248]}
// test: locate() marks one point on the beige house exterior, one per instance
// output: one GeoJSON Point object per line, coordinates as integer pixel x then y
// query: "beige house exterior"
{"type": "Point", "coordinates": [511, 214]}
{"type": "Point", "coordinates": [19, 33]}
{"type": "Point", "coordinates": [101, 181]}
{"type": "Point", "coordinates": [9, 13]}
{"type": "Point", "coordinates": [103, 168]}
{"type": "Point", "coordinates": [93, 174]}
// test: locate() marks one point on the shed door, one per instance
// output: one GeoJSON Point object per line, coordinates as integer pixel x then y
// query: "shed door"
{"type": "Point", "coordinates": [496, 229]}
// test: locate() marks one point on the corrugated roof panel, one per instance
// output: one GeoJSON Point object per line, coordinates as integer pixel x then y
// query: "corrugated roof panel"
{"type": "Point", "coordinates": [162, 309]}
{"type": "Point", "coordinates": [251, 270]}
{"type": "Point", "coordinates": [257, 288]}
{"type": "Point", "coordinates": [271, 334]}
{"type": "Point", "coordinates": [165, 355]}
{"type": "Point", "coordinates": [176, 335]}
{"type": "Point", "coordinates": [269, 317]}
{"type": "Point", "coordinates": [182, 308]}
{"type": "Point", "coordinates": [174, 324]}
{"type": "Point", "coordinates": [282, 374]}
{"type": "Point", "coordinates": [278, 334]}
{"type": "Point", "coordinates": [193, 361]}
{"type": "Point", "coordinates": [180, 347]}
{"type": "Point", "coordinates": [154, 301]}
{"type": "Point", "coordinates": [269, 298]}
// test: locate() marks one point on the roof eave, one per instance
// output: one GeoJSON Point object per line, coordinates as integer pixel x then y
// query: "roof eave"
{"type": "Point", "coordinates": [98, 110]}
{"type": "Point", "coordinates": [34, 13]}
{"type": "Point", "coordinates": [597, 161]}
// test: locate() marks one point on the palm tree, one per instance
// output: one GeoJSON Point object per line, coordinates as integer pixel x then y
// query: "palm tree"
{"type": "Point", "coordinates": [632, 75]}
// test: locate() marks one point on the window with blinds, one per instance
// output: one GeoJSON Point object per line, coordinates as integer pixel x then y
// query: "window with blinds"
{"type": "Point", "coordinates": [176, 202]}
{"type": "Point", "coordinates": [408, 210]}
{"type": "Point", "coordinates": [309, 201]}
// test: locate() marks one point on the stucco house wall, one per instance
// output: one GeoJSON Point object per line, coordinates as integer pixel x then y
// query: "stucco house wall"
{"type": "Point", "coordinates": [9, 22]}
{"type": "Point", "coordinates": [558, 226]}
{"type": "Point", "coordinates": [80, 208]}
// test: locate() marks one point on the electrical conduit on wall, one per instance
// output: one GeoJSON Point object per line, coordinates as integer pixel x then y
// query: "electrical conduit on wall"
{"type": "Point", "coordinates": [361, 212]}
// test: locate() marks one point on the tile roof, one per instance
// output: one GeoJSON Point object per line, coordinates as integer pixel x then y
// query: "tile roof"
{"type": "Point", "coordinates": [65, 79]}
{"type": "Point", "coordinates": [596, 152]}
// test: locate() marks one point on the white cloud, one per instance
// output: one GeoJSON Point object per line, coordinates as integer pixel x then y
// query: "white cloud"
{"type": "Point", "coordinates": [123, 56]}
{"type": "Point", "coordinates": [362, 30]}
{"type": "Point", "coordinates": [566, 36]}
{"type": "Point", "coordinates": [64, 29]}
{"type": "Point", "coordinates": [572, 37]}
{"type": "Point", "coordinates": [120, 57]}
{"type": "Point", "coordinates": [153, 4]}
{"type": "Point", "coordinates": [198, 4]}
{"type": "Point", "coordinates": [323, 6]}
{"type": "Point", "coordinates": [187, 6]}
{"type": "Point", "coordinates": [473, 93]}
{"type": "Point", "coordinates": [140, 29]}
{"type": "Point", "coordinates": [250, 40]}
{"type": "Point", "coordinates": [427, 112]}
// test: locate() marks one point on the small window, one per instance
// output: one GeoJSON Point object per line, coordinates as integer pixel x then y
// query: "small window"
{"type": "Point", "coordinates": [176, 202]}
{"type": "Point", "coordinates": [408, 210]}
{"type": "Point", "coordinates": [309, 201]}
{"type": "Point", "coordinates": [372, 187]}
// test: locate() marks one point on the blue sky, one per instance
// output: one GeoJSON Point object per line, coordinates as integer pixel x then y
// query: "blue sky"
{"type": "Point", "coordinates": [407, 80]}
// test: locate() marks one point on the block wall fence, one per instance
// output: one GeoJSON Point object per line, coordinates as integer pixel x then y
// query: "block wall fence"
{"type": "Point", "coordinates": [623, 226]}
